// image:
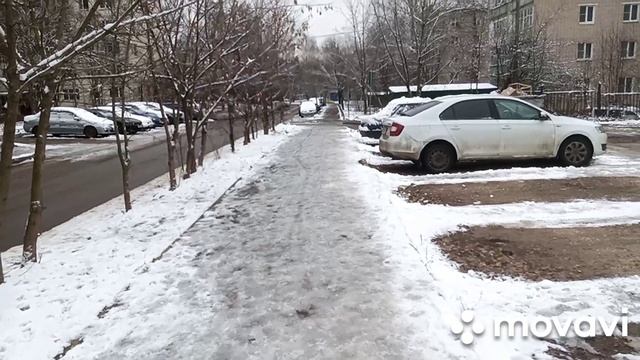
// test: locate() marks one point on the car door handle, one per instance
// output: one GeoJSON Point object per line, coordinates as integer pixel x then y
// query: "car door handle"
{"type": "Point", "coordinates": [506, 127]}
{"type": "Point", "coordinates": [455, 128]}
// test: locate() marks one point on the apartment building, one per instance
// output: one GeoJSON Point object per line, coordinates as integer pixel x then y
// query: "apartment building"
{"type": "Point", "coordinates": [89, 84]}
{"type": "Point", "coordinates": [463, 58]}
{"type": "Point", "coordinates": [585, 42]}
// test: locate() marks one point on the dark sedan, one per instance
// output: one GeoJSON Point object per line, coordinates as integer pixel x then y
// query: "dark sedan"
{"type": "Point", "coordinates": [132, 125]}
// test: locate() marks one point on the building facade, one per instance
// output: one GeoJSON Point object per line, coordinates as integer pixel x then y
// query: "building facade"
{"type": "Point", "coordinates": [568, 44]}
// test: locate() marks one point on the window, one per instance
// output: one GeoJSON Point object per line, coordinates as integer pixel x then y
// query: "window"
{"type": "Point", "coordinates": [625, 84]}
{"type": "Point", "coordinates": [514, 110]}
{"type": "Point", "coordinates": [526, 17]}
{"type": "Point", "coordinates": [630, 12]}
{"type": "Point", "coordinates": [584, 51]}
{"type": "Point", "coordinates": [587, 14]}
{"type": "Point", "coordinates": [628, 49]}
{"type": "Point", "coordinates": [468, 110]}
{"type": "Point", "coordinates": [501, 26]}
{"type": "Point", "coordinates": [84, 4]}
{"type": "Point", "coordinates": [418, 108]}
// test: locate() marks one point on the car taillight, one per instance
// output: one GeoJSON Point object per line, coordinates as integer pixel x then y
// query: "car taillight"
{"type": "Point", "coordinates": [396, 129]}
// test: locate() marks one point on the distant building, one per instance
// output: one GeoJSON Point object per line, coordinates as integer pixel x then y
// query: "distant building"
{"type": "Point", "coordinates": [566, 44]}
{"type": "Point", "coordinates": [463, 56]}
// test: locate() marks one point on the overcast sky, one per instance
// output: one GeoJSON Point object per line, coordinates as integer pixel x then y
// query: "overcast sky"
{"type": "Point", "coordinates": [333, 21]}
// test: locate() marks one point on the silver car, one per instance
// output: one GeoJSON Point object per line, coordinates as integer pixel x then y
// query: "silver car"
{"type": "Point", "coordinates": [71, 121]}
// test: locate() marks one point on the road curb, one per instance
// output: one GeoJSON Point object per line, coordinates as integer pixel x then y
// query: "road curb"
{"type": "Point", "coordinates": [21, 158]}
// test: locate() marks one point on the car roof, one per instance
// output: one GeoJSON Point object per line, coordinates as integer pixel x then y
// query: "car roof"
{"type": "Point", "coordinates": [70, 109]}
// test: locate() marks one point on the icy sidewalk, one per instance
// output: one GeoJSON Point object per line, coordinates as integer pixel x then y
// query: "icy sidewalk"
{"type": "Point", "coordinates": [288, 265]}
{"type": "Point", "coordinates": [88, 260]}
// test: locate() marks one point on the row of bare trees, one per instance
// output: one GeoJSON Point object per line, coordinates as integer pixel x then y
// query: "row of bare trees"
{"type": "Point", "coordinates": [198, 55]}
{"type": "Point", "coordinates": [402, 42]}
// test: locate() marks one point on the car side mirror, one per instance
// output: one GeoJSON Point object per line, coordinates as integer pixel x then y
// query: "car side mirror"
{"type": "Point", "coordinates": [544, 116]}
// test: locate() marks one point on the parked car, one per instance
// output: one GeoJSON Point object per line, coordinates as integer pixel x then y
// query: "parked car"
{"type": "Point", "coordinates": [147, 122]}
{"type": "Point", "coordinates": [307, 108]}
{"type": "Point", "coordinates": [169, 111]}
{"type": "Point", "coordinates": [153, 114]}
{"type": "Point", "coordinates": [131, 125]}
{"type": "Point", "coordinates": [71, 121]}
{"type": "Point", "coordinates": [473, 127]}
{"type": "Point", "coordinates": [618, 112]}
{"type": "Point", "coordinates": [371, 126]}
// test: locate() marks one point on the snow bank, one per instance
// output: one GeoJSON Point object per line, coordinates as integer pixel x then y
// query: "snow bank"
{"type": "Point", "coordinates": [86, 261]}
{"type": "Point", "coordinates": [413, 226]}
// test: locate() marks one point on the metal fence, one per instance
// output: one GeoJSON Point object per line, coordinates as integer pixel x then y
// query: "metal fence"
{"type": "Point", "coordinates": [591, 103]}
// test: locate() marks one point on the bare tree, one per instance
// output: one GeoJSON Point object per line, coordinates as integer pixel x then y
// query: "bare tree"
{"type": "Point", "coordinates": [359, 15]}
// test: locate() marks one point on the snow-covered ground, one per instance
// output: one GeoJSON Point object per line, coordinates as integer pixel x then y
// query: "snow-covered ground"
{"type": "Point", "coordinates": [311, 255]}
{"type": "Point", "coordinates": [86, 262]}
{"type": "Point", "coordinates": [453, 291]}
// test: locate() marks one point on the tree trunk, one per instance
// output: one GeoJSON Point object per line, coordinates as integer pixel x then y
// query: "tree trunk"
{"type": "Point", "coordinates": [34, 222]}
{"type": "Point", "coordinates": [254, 116]}
{"type": "Point", "coordinates": [13, 102]}
{"type": "Point", "coordinates": [273, 118]}
{"type": "Point", "coordinates": [247, 125]}
{"type": "Point", "coordinates": [171, 145]}
{"type": "Point", "coordinates": [232, 138]}
{"type": "Point", "coordinates": [191, 139]}
{"type": "Point", "coordinates": [265, 119]}
{"type": "Point", "coordinates": [122, 145]}
{"type": "Point", "coordinates": [203, 144]}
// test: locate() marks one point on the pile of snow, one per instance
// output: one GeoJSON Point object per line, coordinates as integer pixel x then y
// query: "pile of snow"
{"type": "Point", "coordinates": [86, 261]}
{"type": "Point", "coordinates": [389, 108]}
{"type": "Point", "coordinates": [411, 227]}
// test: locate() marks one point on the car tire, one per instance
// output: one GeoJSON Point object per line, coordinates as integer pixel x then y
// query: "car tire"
{"type": "Point", "coordinates": [575, 151]}
{"type": "Point", "coordinates": [90, 132]}
{"type": "Point", "coordinates": [438, 158]}
{"type": "Point", "coordinates": [34, 130]}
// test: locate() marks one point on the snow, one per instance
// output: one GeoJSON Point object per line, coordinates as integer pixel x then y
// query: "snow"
{"type": "Point", "coordinates": [414, 226]}
{"type": "Point", "coordinates": [238, 283]}
{"type": "Point", "coordinates": [306, 225]}
{"type": "Point", "coordinates": [388, 109]}
{"type": "Point", "coordinates": [85, 262]}
{"type": "Point", "coordinates": [444, 87]}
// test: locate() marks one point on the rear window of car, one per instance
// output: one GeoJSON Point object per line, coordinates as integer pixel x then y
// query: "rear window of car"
{"type": "Point", "coordinates": [468, 110]}
{"type": "Point", "coordinates": [419, 108]}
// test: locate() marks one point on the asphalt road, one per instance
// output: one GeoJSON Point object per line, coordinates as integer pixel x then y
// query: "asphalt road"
{"type": "Point", "coordinates": [73, 187]}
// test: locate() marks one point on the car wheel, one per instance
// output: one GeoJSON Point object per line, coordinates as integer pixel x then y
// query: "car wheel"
{"type": "Point", "coordinates": [575, 151]}
{"type": "Point", "coordinates": [34, 130]}
{"type": "Point", "coordinates": [90, 132]}
{"type": "Point", "coordinates": [438, 158]}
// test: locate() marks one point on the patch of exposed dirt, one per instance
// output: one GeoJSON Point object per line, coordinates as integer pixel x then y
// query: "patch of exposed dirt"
{"type": "Point", "coordinates": [503, 192]}
{"type": "Point", "coordinates": [599, 347]}
{"type": "Point", "coordinates": [562, 254]}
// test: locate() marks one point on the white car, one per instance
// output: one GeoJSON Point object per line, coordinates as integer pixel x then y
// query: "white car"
{"type": "Point", "coordinates": [371, 125]}
{"type": "Point", "coordinates": [475, 127]}
{"type": "Point", "coordinates": [308, 108]}
{"type": "Point", "coordinates": [71, 121]}
{"type": "Point", "coordinates": [147, 122]}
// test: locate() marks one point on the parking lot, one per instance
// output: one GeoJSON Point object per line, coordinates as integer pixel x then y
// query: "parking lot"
{"type": "Point", "coordinates": [491, 225]}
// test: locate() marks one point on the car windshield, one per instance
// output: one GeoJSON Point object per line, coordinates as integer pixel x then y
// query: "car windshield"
{"type": "Point", "coordinates": [418, 108]}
